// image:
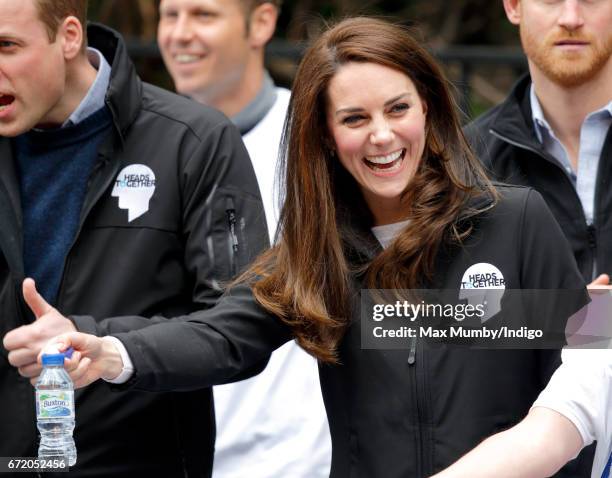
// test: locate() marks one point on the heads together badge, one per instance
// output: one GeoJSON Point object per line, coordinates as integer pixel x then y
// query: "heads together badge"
{"type": "Point", "coordinates": [483, 283]}
{"type": "Point", "coordinates": [134, 187]}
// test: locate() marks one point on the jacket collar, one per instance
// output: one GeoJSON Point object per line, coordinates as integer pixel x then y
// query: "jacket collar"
{"type": "Point", "coordinates": [124, 94]}
{"type": "Point", "coordinates": [355, 221]}
{"type": "Point", "coordinates": [514, 118]}
{"type": "Point", "coordinates": [354, 224]}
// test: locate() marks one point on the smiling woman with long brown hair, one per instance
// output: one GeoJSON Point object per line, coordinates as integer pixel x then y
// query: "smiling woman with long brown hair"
{"type": "Point", "coordinates": [308, 279]}
{"type": "Point", "coordinates": [381, 191]}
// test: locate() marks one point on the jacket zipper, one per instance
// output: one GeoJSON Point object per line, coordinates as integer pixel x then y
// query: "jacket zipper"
{"type": "Point", "coordinates": [412, 351]}
{"type": "Point", "coordinates": [592, 240]}
{"type": "Point", "coordinates": [419, 406]}
{"type": "Point", "coordinates": [230, 212]}
{"type": "Point", "coordinates": [590, 228]}
{"type": "Point", "coordinates": [58, 299]}
{"type": "Point", "coordinates": [88, 206]}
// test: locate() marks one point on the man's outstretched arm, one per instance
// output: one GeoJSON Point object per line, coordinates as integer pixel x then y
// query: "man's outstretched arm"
{"type": "Point", "coordinates": [537, 447]}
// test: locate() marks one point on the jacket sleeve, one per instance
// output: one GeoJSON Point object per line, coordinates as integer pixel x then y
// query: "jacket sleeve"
{"type": "Point", "coordinates": [206, 348]}
{"type": "Point", "coordinates": [223, 222]}
{"type": "Point", "coordinates": [223, 216]}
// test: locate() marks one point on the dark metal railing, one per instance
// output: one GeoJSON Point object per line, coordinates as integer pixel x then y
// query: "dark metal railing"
{"type": "Point", "coordinates": [466, 58]}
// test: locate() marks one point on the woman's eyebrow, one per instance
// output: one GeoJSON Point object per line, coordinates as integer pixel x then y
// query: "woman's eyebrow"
{"type": "Point", "coordinates": [357, 109]}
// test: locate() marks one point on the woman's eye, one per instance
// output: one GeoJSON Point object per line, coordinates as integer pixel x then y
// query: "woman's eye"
{"type": "Point", "coordinates": [399, 108]}
{"type": "Point", "coordinates": [351, 120]}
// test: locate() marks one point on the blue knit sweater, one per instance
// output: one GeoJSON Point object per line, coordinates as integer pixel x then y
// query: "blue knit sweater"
{"type": "Point", "coordinates": [54, 168]}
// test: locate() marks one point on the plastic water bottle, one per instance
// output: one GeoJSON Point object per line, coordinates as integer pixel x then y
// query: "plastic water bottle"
{"type": "Point", "coordinates": [55, 410]}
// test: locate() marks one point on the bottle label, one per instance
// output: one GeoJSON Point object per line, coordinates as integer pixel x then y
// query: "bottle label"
{"type": "Point", "coordinates": [54, 404]}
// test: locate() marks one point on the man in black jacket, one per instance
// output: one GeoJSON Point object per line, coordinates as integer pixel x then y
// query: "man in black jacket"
{"type": "Point", "coordinates": [118, 198]}
{"type": "Point", "coordinates": [553, 131]}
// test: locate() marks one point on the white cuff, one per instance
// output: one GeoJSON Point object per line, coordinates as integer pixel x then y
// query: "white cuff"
{"type": "Point", "coordinates": [128, 366]}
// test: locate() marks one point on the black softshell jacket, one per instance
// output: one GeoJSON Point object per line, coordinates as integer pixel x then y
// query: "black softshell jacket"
{"type": "Point", "coordinates": [391, 415]}
{"type": "Point", "coordinates": [505, 141]}
{"type": "Point", "coordinates": [204, 223]}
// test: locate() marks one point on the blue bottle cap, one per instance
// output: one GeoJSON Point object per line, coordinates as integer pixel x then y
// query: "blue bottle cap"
{"type": "Point", "coordinates": [53, 359]}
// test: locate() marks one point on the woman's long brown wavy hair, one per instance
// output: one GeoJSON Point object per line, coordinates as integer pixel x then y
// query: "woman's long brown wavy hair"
{"type": "Point", "coordinates": [305, 278]}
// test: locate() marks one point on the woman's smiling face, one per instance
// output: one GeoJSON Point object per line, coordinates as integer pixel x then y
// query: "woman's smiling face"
{"type": "Point", "coordinates": [376, 120]}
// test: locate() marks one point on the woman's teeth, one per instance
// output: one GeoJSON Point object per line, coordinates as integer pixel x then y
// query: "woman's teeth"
{"type": "Point", "coordinates": [390, 162]}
